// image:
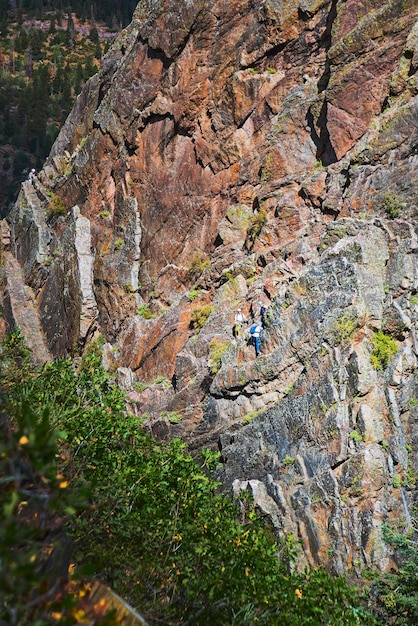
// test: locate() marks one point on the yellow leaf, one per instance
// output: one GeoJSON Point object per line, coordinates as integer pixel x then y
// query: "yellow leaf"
{"type": "Point", "coordinates": [298, 593]}
{"type": "Point", "coordinates": [79, 615]}
{"type": "Point", "coordinates": [64, 484]}
{"type": "Point", "coordinates": [23, 441]}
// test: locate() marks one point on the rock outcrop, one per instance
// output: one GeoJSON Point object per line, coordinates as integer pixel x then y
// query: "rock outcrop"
{"type": "Point", "coordinates": [232, 154]}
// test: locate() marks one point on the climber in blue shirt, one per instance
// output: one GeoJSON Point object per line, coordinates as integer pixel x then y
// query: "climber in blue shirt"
{"type": "Point", "coordinates": [255, 332]}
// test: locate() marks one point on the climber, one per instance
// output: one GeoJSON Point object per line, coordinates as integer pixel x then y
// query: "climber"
{"type": "Point", "coordinates": [253, 312]}
{"type": "Point", "coordinates": [263, 311]}
{"type": "Point", "coordinates": [31, 174]}
{"type": "Point", "coordinates": [254, 339]}
{"type": "Point", "coordinates": [238, 322]}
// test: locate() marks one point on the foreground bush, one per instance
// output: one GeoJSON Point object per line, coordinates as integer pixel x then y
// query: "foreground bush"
{"type": "Point", "coordinates": [155, 527]}
{"type": "Point", "coordinates": [395, 594]}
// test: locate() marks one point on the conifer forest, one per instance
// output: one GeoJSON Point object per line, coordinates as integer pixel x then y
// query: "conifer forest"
{"type": "Point", "coordinates": [48, 49]}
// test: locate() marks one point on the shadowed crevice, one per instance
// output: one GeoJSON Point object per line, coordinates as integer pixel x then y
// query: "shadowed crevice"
{"type": "Point", "coordinates": [324, 149]}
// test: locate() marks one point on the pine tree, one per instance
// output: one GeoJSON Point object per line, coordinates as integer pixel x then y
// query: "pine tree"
{"type": "Point", "coordinates": [94, 34]}
{"type": "Point", "coordinates": [98, 51]}
{"type": "Point", "coordinates": [52, 28]}
{"type": "Point", "coordinates": [78, 78]}
{"type": "Point", "coordinates": [89, 68]}
{"type": "Point", "coordinates": [70, 32]}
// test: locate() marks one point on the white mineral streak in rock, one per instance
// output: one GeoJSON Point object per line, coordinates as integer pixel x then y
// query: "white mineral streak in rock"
{"type": "Point", "coordinates": [85, 259]}
{"type": "Point", "coordinates": [30, 236]}
{"type": "Point", "coordinates": [125, 378]}
{"type": "Point", "coordinates": [137, 234]}
{"type": "Point", "coordinates": [373, 426]}
{"type": "Point", "coordinates": [402, 454]}
{"type": "Point", "coordinates": [342, 420]}
{"type": "Point", "coordinates": [371, 272]}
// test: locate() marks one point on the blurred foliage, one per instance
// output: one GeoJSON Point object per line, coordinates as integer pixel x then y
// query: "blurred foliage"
{"type": "Point", "coordinates": [35, 499]}
{"type": "Point", "coordinates": [395, 594]}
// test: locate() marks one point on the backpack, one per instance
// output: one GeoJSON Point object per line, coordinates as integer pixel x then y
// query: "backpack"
{"type": "Point", "coordinates": [253, 329]}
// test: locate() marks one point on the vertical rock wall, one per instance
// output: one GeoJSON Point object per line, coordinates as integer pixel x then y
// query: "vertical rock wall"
{"type": "Point", "coordinates": [232, 154]}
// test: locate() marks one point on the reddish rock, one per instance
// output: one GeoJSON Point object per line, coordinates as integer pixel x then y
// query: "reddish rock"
{"type": "Point", "coordinates": [232, 153]}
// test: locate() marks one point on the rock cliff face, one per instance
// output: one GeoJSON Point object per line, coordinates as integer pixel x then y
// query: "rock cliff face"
{"type": "Point", "coordinates": [228, 154]}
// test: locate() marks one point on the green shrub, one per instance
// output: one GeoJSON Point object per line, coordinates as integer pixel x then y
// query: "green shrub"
{"type": "Point", "coordinates": [140, 386]}
{"type": "Point", "coordinates": [258, 220]}
{"type": "Point", "coordinates": [55, 206]}
{"type": "Point", "coordinates": [345, 327]}
{"type": "Point", "coordinates": [318, 167]}
{"type": "Point", "coordinates": [396, 482]}
{"type": "Point", "coordinates": [144, 311]}
{"type": "Point", "coordinates": [217, 348]}
{"type": "Point", "coordinates": [159, 379]}
{"type": "Point", "coordinates": [384, 348]}
{"type": "Point", "coordinates": [197, 265]}
{"type": "Point", "coordinates": [392, 205]}
{"type": "Point", "coordinates": [194, 293]}
{"type": "Point", "coordinates": [118, 243]}
{"type": "Point", "coordinates": [172, 416]}
{"type": "Point", "coordinates": [248, 417]}
{"type": "Point", "coordinates": [288, 461]}
{"type": "Point", "coordinates": [356, 436]}
{"type": "Point", "coordinates": [200, 315]}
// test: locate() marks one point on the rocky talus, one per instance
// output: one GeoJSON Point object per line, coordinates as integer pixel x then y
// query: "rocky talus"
{"type": "Point", "coordinates": [229, 155]}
